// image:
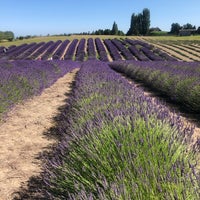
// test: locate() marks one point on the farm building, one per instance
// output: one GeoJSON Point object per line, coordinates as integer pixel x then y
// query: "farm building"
{"type": "Point", "coordinates": [186, 32]}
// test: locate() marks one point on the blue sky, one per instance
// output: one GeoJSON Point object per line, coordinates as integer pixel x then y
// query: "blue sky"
{"type": "Point", "coordinates": [42, 17]}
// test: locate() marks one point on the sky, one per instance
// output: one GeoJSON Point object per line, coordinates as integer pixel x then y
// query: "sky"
{"type": "Point", "coordinates": [42, 17]}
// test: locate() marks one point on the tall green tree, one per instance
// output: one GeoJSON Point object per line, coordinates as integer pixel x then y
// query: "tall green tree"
{"type": "Point", "coordinates": [131, 29]}
{"type": "Point", "coordinates": [114, 30]}
{"type": "Point", "coordinates": [140, 23]}
{"type": "Point", "coordinates": [145, 21]}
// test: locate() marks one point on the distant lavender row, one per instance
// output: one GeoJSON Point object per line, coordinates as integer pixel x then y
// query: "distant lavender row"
{"type": "Point", "coordinates": [60, 51]}
{"type": "Point", "coordinates": [71, 50]}
{"type": "Point", "coordinates": [26, 54]}
{"type": "Point", "coordinates": [21, 79]}
{"type": "Point", "coordinates": [116, 143]}
{"type": "Point", "coordinates": [51, 50]}
{"type": "Point", "coordinates": [178, 80]}
{"type": "Point", "coordinates": [91, 49]}
{"type": "Point", "coordinates": [124, 51]}
{"type": "Point", "coordinates": [101, 50]}
{"type": "Point", "coordinates": [38, 54]}
{"type": "Point", "coordinates": [80, 53]}
{"type": "Point", "coordinates": [146, 52]}
{"type": "Point", "coordinates": [112, 50]}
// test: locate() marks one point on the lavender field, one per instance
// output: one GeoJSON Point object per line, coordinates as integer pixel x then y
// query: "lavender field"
{"type": "Point", "coordinates": [83, 50]}
{"type": "Point", "coordinates": [114, 141]}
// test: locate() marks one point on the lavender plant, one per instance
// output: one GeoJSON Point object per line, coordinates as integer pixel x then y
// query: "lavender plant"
{"type": "Point", "coordinates": [118, 144]}
{"type": "Point", "coordinates": [22, 79]}
{"type": "Point", "coordinates": [178, 80]}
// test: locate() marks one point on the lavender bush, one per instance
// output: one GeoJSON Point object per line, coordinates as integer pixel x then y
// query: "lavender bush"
{"type": "Point", "coordinates": [118, 144]}
{"type": "Point", "coordinates": [178, 80]}
{"type": "Point", "coordinates": [21, 79]}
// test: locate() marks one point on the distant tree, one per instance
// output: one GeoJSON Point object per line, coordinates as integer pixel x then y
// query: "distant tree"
{"type": "Point", "coordinates": [188, 26]}
{"type": "Point", "coordinates": [7, 35]}
{"type": "Point", "coordinates": [121, 33]}
{"type": "Point", "coordinates": [114, 30]}
{"type": "Point", "coordinates": [107, 32]}
{"type": "Point", "coordinates": [1, 35]}
{"type": "Point", "coordinates": [21, 37]}
{"type": "Point", "coordinates": [175, 27]}
{"type": "Point", "coordinates": [145, 21]}
{"type": "Point", "coordinates": [198, 30]}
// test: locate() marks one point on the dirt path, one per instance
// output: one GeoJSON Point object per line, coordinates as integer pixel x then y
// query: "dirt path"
{"type": "Point", "coordinates": [22, 139]}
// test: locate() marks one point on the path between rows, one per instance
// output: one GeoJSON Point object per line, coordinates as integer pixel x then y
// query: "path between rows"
{"type": "Point", "coordinates": [22, 138]}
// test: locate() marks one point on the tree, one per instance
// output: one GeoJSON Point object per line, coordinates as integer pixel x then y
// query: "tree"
{"type": "Point", "coordinates": [198, 30]}
{"type": "Point", "coordinates": [140, 23]}
{"type": "Point", "coordinates": [135, 25]}
{"type": "Point", "coordinates": [7, 35]}
{"type": "Point", "coordinates": [145, 21]}
{"type": "Point", "coordinates": [130, 31]}
{"type": "Point", "coordinates": [175, 27]}
{"type": "Point", "coordinates": [188, 26]}
{"type": "Point", "coordinates": [114, 30]}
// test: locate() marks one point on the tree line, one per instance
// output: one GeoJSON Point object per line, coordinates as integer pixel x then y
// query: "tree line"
{"type": "Point", "coordinates": [176, 27]}
{"type": "Point", "coordinates": [6, 35]}
{"type": "Point", "coordinates": [139, 25]}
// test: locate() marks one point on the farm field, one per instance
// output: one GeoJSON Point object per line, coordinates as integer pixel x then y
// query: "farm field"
{"type": "Point", "coordinates": [61, 47]}
{"type": "Point", "coordinates": [183, 48]}
{"type": "Point", "coordinates": [112, 140]}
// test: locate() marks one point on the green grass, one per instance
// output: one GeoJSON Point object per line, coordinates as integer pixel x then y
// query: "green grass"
{"type": "Point", "coordinates": [173, 39]}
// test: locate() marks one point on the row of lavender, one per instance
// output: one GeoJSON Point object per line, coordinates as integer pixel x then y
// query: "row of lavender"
{"type": "Point", "coordinates": [117, 143]}
{"type": "Point", "coordinates": [178, 80]}
{"type": "Point", "coordinates": [22, 79]}
{"type": "Point", "coordinates": [118, 49]}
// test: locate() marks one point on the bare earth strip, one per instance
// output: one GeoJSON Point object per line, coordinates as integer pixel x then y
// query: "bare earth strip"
{"type": "Point", "coordinates": [22, 138]}
{"type": "Point", "coordinates": [168, 49]}
{"type": "Point", "coordinates": [184, 49]}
